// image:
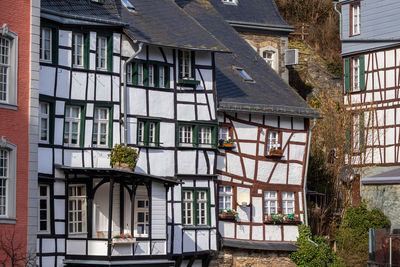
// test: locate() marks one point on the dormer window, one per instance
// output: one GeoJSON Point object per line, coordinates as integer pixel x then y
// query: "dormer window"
{"type": "Point", "coordinates": [230, 2]}
{"type": "Point", "coordinates": [271, 56]}
{"type": "Point", "coordinates": [355, 18]}
{"type": "Point", "coordinates": [244, 74]}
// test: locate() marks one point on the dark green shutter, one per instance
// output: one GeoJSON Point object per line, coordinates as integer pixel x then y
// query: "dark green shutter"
{"type": "Point", "coordinates": [347, 75]}
{"type": "Point", "coordinates": [134, 73]}
{"type": "Point", "coordinates": [177, 134]}
{"type": "Point", "coordinates": [73, 50]}
{"type": "Point", "coordinates": [214, 136]}
{"type": "Point", "coordinates": [146, 133]}
{"type": "Point", "coordinates": [110, 128]}
{"type": "Point", "coordinates": [195, 131]}
{"type": "Point", "coordinates": [54, 46]}
{"type": "Point", "coordinates": [192, 60]}
{"type": "Point", "coordinates": [347, 143]}
{"type": "Point", "coordinates": [51, 122]}
{"type": "Point", "coordinates": [156, 73]}
{"type": "Point", "coordinates": [362, 73]}
{"type": "Point", "coordinates": [86, 51]}
{"type": "Point", "coordinates": [110, 53]}
{"type": "Point", "coordinates": [157, 133]}
{"type": "Point", "coordinates": [146, 75]}
{"type": "Point", "coordinates": [362, 132]}
{"type": "Point", "coordinates": [166, 76]}
{"type": "Point", "coordinates": [82, 130]}
{"type": "Point", "coordinates": [180, 64]}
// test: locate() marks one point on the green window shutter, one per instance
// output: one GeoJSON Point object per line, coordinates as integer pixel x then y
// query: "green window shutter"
{"type": "Point", "coordinates": [156, 74]}
{"type": "Point", "coordinates": [347, 75]}
{"type": "Point", "coordinates": [110, 53]}
{"type": "Point", "coordinates": [214, 136]}
{"type": "Point", "coordinates": [362, 73]}
{"type": "Point", "coordinates": [208, 208]}
{"type": "Point", "coordinates": [195, 208]}
{"type": "Point", "coordinates": [192, 56]}
{"type": "Point", "coordinates": [362, 132]}
{"type": "Point", "coordinates": [134, 73]}
{"type": "Point", "coordinates": [157, 134]}
{"type": "Point", "coordinates": [86, 51]}
{"type": "Point", "coordinates": [195, 135]}
{"type": "Point", "coordinates": [145, 75]}
{"type": "Point", "coordinates": [347, 143]}
{"type": "Point", "coordinates": [166, 76]}
{"type": "Point", "coordinates": [82, 132]}
{"type": "Point", "coordinates": [177, 134]}
{"type": "Point", "coordinates": [51, 122]}
{"type": "Point", "coordinates": [146, 133]}
{"type": "Point", "coordinates": [110, 127]}
{"type": "Point", "coordinates": [179, 64]}
{"type": "Point", "coordinates": [54, 45]}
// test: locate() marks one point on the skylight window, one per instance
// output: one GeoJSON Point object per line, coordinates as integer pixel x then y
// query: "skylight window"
{"type": "Point", "coordinates": [128, 5]}
{"type": "Point", "coordinates": [244, 74]}
{"type": "Point", "coordinates": [230, 2]}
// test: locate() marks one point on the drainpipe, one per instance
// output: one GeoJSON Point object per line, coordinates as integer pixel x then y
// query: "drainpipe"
{"type": "Point", "coordinates": [306, 173]}
{"type": "Point", "coordinates": [126, 93]}
{"type": "Point", "coordinates": [335, 3]}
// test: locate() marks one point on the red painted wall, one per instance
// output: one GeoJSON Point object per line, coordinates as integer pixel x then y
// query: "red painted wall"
{"type": "Point", "coordinates": [14, 124]}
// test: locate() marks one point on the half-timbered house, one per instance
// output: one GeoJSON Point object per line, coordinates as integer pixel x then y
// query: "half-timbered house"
{"type": "Point", "coordinates": [119, 71]}
{"type": "Point", "coordinates": [370, 51]}
{"type": "Point", "coordinates": [264, 133]}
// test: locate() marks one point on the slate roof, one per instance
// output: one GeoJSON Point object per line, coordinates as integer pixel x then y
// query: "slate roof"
{"type": "Point", "coordinates": [163, 24]}
{"type": "Point", "coordinates": [263, 12]}
{"type": "Point", "coordinates": [268, 94]}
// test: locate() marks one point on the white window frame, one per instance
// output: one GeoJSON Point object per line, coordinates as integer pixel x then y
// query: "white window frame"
{"type": "Point", "coordinates": [225, 197]}
{"type": "Point", "coordinates": [151, 75]}
{"type": "Point", "coordinates": [129, 73]}
{"type": "Point", "coordinates": [141, 127]}
{"type": "Point", "coordinates": [100, 57]}
{"type": "Point", "coordinates": [75, 198]}
{"type": "Point", "coordinates": [11, 88]}
{"type": "Point", "coordinates": [152, 133]}
{"type": "Point", "coordinates": [46, 117]}
{"type": "Point", "coordinates": [288, 199]}
{"type": "Point", "coordinates": [356, 74]}
{"type": "Point", "coordinates": [78, 50]}
{"type": "Point", "coordinates": [186, 65]}
{"type": "Point", "coordinates": [99, 121]}
{"type": "Point", "coordinates": [70, 120]}
{"type": "Point", "coordinates": [230, 2]}
{"type": "Point", "coordinates": [270, 202]}
{"type": "Point", "coordinates": [273, 140]}
{"type": "Point", "coordinates": [202, 207]}
{"type": "Point", "coordinates": [356, 132]}
{"type": "Point", "coordinates": [4, 177]}
{"type": "Point", "coordinates": [161, 77]}
{"type": "Point", "coordinates": [186, 135]}
{"type": "Point", "coordinates": [356, 19]}
{"type": "Point", "coordinates": [188, 208]}
{"type": "Point", "coordinates": [46, 210]}
{"type": "Point", "coordinates": [9, 217]}
{"type": "Point", "coordinates": [43, 48]}
{"type": "Point", "coordinates": [205, 136]}
{"type": "Point", "coordinates": [223, 133]}
{"type": "Point", "coordinates": [146, 212]}
{"type": "Point", "coordinates": [140, 74]}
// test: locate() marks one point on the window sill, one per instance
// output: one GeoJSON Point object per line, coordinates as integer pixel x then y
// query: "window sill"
{"type": "Point", "coordinates": [8, 106]}
{"type": "Point", "coordinates": [4, 220]}
{"type": "Point", "coordinates": [291, 222]}
{"type": "Point", "coordinates": [194, 227]}
{"type": "Point", "coordinates": [188, 82]}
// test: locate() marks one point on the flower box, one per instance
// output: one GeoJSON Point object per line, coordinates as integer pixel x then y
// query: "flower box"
{"type": "Point", "coordinates": [226, 144]}
{"type": "Point", "coordinates": [290, 219]}
{"type": "Point", "coordinates": [274, 152]}
{"type": "Point", "coordinates": [123, 241]}
{"type": "Point", "coordinates": [227, 216]}
{"type": "Point", "coordinates": [122, 166]}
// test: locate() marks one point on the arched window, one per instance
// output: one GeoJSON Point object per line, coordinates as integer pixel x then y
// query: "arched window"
{"type": "Point", "coordinates": [8, 68]}
{"type": "Point", "coordinates": [7, 181]}
{"type": "Point", "coordinates": [271, 56]}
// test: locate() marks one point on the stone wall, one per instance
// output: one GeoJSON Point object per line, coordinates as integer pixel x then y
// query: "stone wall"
{"type": "Point", "coordinates": [234, 257]}
{"type": "Point", "coordinates": [260, 40]}
{"type": "Point", "coordinates": [386, 198]}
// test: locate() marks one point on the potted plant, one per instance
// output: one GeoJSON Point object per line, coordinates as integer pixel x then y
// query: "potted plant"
{"type": "Point", "coordinates": [226, 143]}
{"type": "Point", "coordinates": [291, 218]}
{"type": "Point", "coordinates": [274, 219]}
{"type": "Point", "coordinates": [123, 157]}
{"type": "Point", "coordinates": [229, 214]}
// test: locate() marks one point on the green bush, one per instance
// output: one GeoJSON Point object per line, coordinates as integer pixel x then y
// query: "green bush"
{"type": "Point", "coordinates": [353, 233]}
{"type": "Point", "coordinates": [123, 154]}
{"type": "Point", "coordinates": [313, 254]}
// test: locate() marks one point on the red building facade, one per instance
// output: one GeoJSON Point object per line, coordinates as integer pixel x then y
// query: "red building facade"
{"type": "Point", "coordinates": [18, 127]}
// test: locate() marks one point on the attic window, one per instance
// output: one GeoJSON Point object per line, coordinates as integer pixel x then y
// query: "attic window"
{"type": "Point", "coordinates": [230, 2]}
{"type": "Point", "coordinates": [244, 74]}
{"type": "Point", "coordinates": [128, 5]}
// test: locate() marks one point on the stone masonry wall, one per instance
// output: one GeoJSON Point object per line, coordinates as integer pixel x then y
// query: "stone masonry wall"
{"type": "Point", "coordinates": [260, 40]}
{"type": "Point", "coordinates": [234, 257]}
